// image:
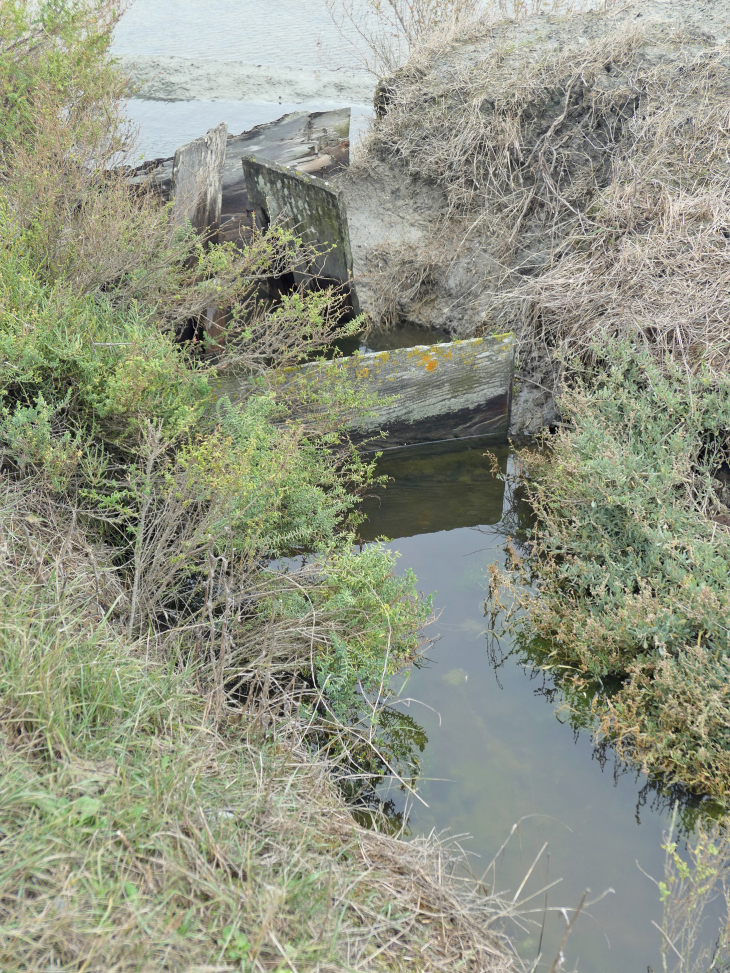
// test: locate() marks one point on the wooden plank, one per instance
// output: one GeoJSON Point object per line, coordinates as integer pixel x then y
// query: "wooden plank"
{"type": "Point", "coordinates": [430, 393]}
{"type": "Point", "coordinates": [316, 141]}
{"type": "Point", "coordinates": [297, 140]}
{"type": "Point", "coordinates": [314, 208]}
{"type": "Point", "coordinates": [197, 181]}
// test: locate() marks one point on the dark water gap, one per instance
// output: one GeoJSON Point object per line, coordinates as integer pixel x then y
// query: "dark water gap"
{"type": "Point", "coordinates": [497, 747]}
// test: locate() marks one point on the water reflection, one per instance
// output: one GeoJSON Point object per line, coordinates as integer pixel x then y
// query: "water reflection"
{"type": "Point", "coordinates": [401, 741]}
{"type": "Point", "coordinates": [653, 795]}
{"type": "Point", "coordinates": [494, 752]}
{"type": "Point", "coordinates": [436, 488]}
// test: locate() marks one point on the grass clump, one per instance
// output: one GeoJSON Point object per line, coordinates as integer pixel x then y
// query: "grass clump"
{"type": "Point", "coordinates": [141, 832]}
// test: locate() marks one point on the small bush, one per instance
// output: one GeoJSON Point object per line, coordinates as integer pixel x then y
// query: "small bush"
{"type": "Point", "coordinates": [631, 558]}
{"type": "Point", "coordinates": [107, 414]}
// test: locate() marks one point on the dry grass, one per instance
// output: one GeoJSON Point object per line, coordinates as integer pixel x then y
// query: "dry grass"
{"type": "Point", "coordinates": [402, 277]}
{"type": "Point", "coordinates": [385, 32]}
{"type": "Point", "coordinates": [596, 177]}
{"type": "Point", "coordinates": [147, 824]}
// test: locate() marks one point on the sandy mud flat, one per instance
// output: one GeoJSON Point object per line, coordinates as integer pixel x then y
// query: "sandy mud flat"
{"type": "Point", "coordinates": [170, 78]}
{"type": "Point", "coordinates": [194, 65]}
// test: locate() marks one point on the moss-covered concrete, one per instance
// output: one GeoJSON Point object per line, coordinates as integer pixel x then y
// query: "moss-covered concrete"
{"type": "Point", "coordinates": [310, 204]}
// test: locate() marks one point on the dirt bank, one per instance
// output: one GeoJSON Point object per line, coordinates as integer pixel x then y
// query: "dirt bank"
{"type": "Point", "coordinates": [563, 176]}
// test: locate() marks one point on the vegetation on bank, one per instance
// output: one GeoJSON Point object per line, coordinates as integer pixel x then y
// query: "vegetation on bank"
{"type": "Point", "coordinates": [194, 657]}
{"type": "Point", "coordinates": [630, 560]}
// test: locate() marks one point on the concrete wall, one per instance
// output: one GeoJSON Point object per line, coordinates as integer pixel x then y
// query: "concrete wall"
{"type": "Point", "coordinates": [432, 392]}
{"type": "Point", "coordinates": [310, 204]}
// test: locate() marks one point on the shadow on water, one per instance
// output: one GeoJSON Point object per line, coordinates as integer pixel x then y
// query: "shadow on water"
{"type": "Point", "coordinates": [496, 741]}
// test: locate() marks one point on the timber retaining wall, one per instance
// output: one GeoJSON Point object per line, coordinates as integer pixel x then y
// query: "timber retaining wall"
{"type": "Point", "coordinates": [430, 393]}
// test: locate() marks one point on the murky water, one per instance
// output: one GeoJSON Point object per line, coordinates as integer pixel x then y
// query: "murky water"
{"type": "Point", "coordinates": [284, 47]}
{"type": "Point", "coordinates": [497, 750]}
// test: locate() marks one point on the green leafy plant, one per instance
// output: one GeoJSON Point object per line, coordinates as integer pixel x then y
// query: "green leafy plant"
{"type": "Point", "coordinates": [235, 943]}
{"type": "Point", "coordinates": [631, 560]}
{"type": "Point", "coordinates": [690, 886]}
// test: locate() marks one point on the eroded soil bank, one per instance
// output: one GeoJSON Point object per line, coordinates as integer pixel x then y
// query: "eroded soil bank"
{"type": "Point", "coordinates": [555, 176]}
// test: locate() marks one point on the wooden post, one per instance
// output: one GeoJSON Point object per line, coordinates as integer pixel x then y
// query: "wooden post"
{"type": "Point", "coordinates": [197, 181]}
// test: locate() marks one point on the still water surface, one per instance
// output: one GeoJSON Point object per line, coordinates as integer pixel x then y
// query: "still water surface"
{"type": "Point", "coordinates": [261, 31]}
{"type": "Point", "coordinates": [290, 35]}
{"type": "Point", "coordinates": [497, 750]}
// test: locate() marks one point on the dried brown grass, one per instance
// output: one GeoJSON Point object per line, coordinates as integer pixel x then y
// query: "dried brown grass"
{"type": "Point", "coordinates": [595, 176]}
{"type": "Point", "coordinates": [385, 32]}
{"type": "Point", "coordinates": [151, 823]}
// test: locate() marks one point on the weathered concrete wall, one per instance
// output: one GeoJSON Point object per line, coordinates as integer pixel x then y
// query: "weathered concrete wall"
{"type": "Point", "coordinates": [197, 180]}
{"type": "Point", "coordinates": [301, 140]}
{"type": "Point", "coordinates": [433, 392]}
{"type": "Point", "coordinates": [313, 206]}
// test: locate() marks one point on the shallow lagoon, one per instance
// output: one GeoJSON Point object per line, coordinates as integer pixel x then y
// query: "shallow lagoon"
{"type": "Point", "coordinates": [285, 39]}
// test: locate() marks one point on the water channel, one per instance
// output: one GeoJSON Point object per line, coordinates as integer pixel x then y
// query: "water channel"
{"type": "Point", "coordinates": [498, 749]}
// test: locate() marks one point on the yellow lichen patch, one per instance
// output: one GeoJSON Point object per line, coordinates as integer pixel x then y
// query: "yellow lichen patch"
{"type": "Point", "coordinates": [429, 364]}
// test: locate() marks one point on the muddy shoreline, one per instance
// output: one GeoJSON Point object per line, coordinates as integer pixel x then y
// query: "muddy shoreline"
{"type": "Point", "coordinates": [170, 78]}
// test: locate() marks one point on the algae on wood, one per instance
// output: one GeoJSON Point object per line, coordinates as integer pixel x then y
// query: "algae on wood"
{"type": "Point", "coordinates": [429, 393]}
{"type": "Point", "coordinates": [314, 208]}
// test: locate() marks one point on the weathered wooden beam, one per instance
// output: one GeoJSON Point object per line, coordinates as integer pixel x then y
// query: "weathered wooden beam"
{"type": "Point", "coordinates": [197, 181]}
{"type": "Point", "coordinates": [300, 140]}
{"type": "Point", "coordinates": [297, 140]}
{"type": "Point", "coordinates": [430, 393]}
{"type": "Point", "coordinates": [311, 205]}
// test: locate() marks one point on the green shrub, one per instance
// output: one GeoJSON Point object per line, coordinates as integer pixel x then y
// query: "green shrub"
{"type": "Point", "coordinates": [111, 417]}
{"type": "Point", "coordinates": [374, 622]}
{"type": "Point", "coordinates": [631, 558]}
{"type": "Point", "coordinates": [106, 412]}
